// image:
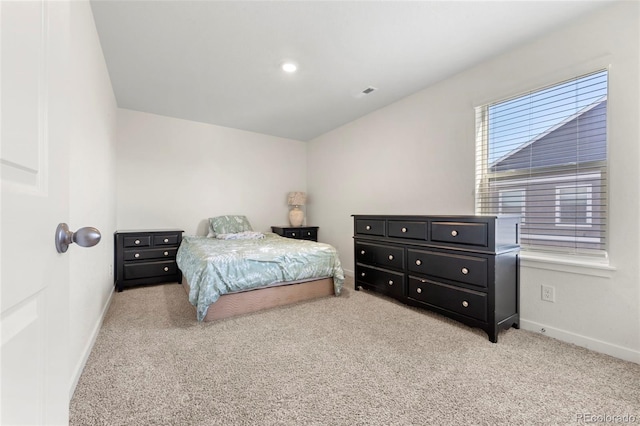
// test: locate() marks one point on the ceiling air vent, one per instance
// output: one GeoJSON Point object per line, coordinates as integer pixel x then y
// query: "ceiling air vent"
{"type": "Point", "coordinates": [369, 90]}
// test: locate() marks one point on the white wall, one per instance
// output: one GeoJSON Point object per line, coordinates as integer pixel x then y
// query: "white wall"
{"type": "Point", "coordinates": [417, 156]}
{"type": "Point", "coordinates": [92, 135]}
{"type": "Point", "coordinates": [174, 173]}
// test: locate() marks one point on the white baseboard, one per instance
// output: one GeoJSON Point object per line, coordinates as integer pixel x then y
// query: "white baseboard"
{"type": "Point", "coordinates": [89, 346]}
{"type": "Point", "coordinates": [583, 341]}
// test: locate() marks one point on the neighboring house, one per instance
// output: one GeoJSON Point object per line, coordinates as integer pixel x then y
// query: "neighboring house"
{"type": "Point", "coordinates": [557, 182]}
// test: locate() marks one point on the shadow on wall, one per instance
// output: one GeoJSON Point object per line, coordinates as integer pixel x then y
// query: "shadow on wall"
{"type": "Point", "coordinates": [203, 227]}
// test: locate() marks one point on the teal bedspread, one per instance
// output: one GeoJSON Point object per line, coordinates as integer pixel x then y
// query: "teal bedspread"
{"type": "Point", "coordinates": [214, 267]}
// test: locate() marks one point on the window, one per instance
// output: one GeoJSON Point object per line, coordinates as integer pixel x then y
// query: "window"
{"type": "Point", "coordinates": [573, 205]}
{"type": "Point", "coordinates": [543, 156]}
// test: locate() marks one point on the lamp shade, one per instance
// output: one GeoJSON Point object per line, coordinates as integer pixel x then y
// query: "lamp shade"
{"type": "Point", "coordinates": [297, 199]}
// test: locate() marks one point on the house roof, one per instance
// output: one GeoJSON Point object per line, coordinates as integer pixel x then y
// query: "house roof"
{"type": "Point", "coordinates": [577, 139]}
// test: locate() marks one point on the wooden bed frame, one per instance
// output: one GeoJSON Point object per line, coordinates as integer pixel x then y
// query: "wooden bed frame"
{"type": "Point", "coordinates": [233, 304]}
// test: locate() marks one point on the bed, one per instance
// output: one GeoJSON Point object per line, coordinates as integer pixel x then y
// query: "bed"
{"type": "Point", "coordinates": [234, 270]}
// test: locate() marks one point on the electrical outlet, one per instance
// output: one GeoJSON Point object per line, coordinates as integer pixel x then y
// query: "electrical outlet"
{"type": "Point", "coordinates": [548, 293]}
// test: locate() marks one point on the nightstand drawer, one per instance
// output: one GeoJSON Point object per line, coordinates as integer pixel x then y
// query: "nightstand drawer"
{"type": "Point", "coordinates": [466, 302]}
{"type": "Point", "coordinates": [149, 269]}
{"type": "Point", "coordinates": [165, 240]}
{"type": "Point", "coordinates": [137, 241]}
{"type": "Point", "coordinates": [475, 234]}
{"type": "Point", "coordinates": [168, 253]}
{"type": "Point", "coordinates": [293, 233]}
{"type": "Point", "coordinates": [465, 269]}
{"type": "Point", "coordinates": [309, 234]}
{"type": "Point", "coordinates": [297, 232]}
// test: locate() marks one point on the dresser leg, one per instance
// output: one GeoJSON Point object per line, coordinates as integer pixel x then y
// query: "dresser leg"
{"type": "Point", "coordinates": [493, 334]}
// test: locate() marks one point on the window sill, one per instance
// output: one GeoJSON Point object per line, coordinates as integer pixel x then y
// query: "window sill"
{"type": "Point", "coordinates": [595, 267]}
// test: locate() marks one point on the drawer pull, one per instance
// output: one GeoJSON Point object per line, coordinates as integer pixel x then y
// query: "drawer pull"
{"type": "Point", "coordinates": [308, 233]}
{"type": "Point", "coordinates": [136, 242]}
{"type": "Point", "coordinates": [136, 255]}
{"type": "Point", "coordinates": [418, 262]}
{"type": "Point", "coordinates": [404, 229]}
{"type": "Point", "coordinates": [390, 282]}
{"type": "Point", "coordinates": [293, 234]}
{"type": "Point", "coordinates": [362, 274]}
{"type": "Point", "coordinates": [166, 269]}
{"type": "Point", "coordinates": [166, 253]}
{"type": "Point", "coordinates": [418, 290]}
{"type": "Point", "coordinates": [166, 240]}
{"type": "Point", "coordinates": [390, 257]}
{"type": "Point", "coordinates": [465, 303]}
{"type": "Point", "coordinates": [454, 233]}
{"type": "Point", "coordinates": [362, 252]}
{"type": "Point", "coordinates": [465, 271]}
{"type": "Point", "coordinates": [368, 227]}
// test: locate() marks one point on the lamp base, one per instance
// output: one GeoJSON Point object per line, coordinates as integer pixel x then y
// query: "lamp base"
{"type": "Point", "coordinates": [296, 216]}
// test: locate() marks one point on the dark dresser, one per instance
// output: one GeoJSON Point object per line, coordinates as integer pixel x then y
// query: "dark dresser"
{"type": "Point", "coordinates": [146, 257]}
{"type": "Point", "coordinates": [298, 232]}
{"type": "Point", "coordinates": [463, 267]}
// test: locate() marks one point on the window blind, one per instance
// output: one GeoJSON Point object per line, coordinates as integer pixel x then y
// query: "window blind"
{"type": "Point", "coordinates": [543, 155]}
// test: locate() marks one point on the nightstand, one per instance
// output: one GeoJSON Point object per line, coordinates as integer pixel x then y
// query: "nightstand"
{"type": "Point", "coordinates": [146, 257]}
{"type": "Point", "coordinates": [298, 232]}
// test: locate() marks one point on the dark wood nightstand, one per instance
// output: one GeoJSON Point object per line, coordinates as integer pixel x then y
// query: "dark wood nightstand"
{"type": "Point", "coordinates": [146, 257]}
{"type": "Point", "coordinates": [298, 232]}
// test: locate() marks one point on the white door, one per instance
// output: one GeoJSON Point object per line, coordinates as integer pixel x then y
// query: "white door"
{"type": "Point", "coordinates": [34, 288]}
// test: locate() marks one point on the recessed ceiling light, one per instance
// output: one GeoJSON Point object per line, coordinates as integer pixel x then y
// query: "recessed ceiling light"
{"type": "Point", "coordinates": [289, 67]}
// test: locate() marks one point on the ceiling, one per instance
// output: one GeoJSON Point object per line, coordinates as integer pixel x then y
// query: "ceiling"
{"type": "Point", "coordinates": [219, 62]}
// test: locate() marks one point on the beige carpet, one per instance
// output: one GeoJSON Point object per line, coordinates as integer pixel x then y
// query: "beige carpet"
{"type": "Point", "coordinates": [357, 359]}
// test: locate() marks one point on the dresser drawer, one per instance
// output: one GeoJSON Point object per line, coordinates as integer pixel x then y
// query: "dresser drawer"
{"type": "Point", "coordinates": [370, 227]}
{"type": "Point", "coordinates": [385, 256]}
{"type": "Point", "coordinates": [137, 241]}
{"type": "Point", "coordinates": [465, 269]}
{"type": "Point", "coordinates": [389, 282]}
{"type": "Point", "coordinates": [475, 234]}
{"type": "Point", "coordinates": [168, 253]}
{"type": "Point", "coordinates": [466, 302]}
{"type": "Point", "coordinates": [410, 230]}
{"type": "Point", "coordinates": [165, 240]}
{"type": "Point", "coordinates": [149, 269]}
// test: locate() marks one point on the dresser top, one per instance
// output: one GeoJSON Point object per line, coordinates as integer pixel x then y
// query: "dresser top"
{"type": "Point", "coordinates": [435, 216]}
{"type": "Point", "coordinates": [139, 231]}
{"type": "Point", "coordinates": [473, 233]}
